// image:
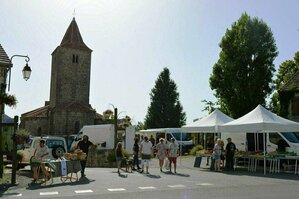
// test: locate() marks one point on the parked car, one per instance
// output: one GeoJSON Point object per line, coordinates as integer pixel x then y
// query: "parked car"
{"type": "Point", "coordinates": [57, 147]}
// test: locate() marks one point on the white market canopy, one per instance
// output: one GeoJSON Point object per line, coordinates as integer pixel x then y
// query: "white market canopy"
{"type": "Point", "coordinates": [260, 120]}
{"type": "Point", "coordinates": [209, 123]}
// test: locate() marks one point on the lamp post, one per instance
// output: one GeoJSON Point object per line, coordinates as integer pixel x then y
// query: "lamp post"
{"type": "Point", "coordinates": [115, 118]}
{"type": "Point", "coordinates": [26, 75]}
{"type": "Point", "coordinates": [115, 124]}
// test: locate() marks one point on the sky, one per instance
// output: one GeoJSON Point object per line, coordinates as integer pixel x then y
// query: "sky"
{"type": "Point", "coordinates": [132, 41]}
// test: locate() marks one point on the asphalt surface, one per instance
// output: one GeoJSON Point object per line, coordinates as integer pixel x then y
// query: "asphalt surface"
{"type": "Point", "coordinates": [188, 183]}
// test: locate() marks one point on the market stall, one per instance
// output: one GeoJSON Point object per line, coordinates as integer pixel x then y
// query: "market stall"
{"type": "Point", "coordinates": [260, 120]}
{"type": "Point", "coordinates": [208, 124]}
{"type": "Point", "coordinates": [65, 167]}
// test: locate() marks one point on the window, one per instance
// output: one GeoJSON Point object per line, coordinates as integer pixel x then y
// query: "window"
{"type": "Point", "coordinates": [75, 58]}
{"type": "Point", "coordinates": [54, 143]}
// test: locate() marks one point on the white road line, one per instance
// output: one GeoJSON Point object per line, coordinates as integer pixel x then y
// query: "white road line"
{"type": "Point", "coordinates": [204, 184]}
{"type": "Point", "coordinates": [13, 194]}
{"type": "Point", "coordinates": [147, 187]}
{"type": "Point", "coordinates": [84, 191]}
{"type": "Point", "coordinates": [176, 186]}
{"type": "Point", "coordinates": [117, 189]}
{"type": "Point", "coordinates": [48, 193]}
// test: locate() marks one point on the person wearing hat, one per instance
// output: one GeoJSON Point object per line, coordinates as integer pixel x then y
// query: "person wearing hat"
{"type": "Point", "coordinates": [172, 154]}
{"type": "Point", "coordinates": [229, 154]}
{"type": "Point", "coordinates": [84, 145]}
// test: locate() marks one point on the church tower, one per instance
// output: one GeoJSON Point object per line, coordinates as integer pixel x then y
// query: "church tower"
{"type": "Point", "coordinates": [69, 107]}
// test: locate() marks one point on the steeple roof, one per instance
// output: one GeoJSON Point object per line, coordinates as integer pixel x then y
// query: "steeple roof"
{"type": "Point", "coordinates": [73, 38]}
{"type": "Point", "coordinates": [4, 59]}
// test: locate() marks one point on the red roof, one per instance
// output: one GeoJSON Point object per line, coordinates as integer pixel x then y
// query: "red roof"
{"type": "Point", "coordinates": [41, 112]}
{"type": "Point", "coordinates": [73, 39]}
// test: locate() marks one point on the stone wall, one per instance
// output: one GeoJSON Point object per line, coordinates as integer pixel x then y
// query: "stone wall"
{"type": "Point", "coordinates": [36, 126]}
{"type": "Point", "coordinates": [99, 158]}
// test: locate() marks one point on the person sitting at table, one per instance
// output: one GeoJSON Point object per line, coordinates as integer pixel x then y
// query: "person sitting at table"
{"type": "Point", "coordinates": [84, 145]}
{"type": "Point", "coordinates": [40, 153]}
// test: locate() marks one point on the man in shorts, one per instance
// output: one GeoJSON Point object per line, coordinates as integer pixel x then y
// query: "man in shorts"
{"type": "Point", "coordinates": [172, 154]}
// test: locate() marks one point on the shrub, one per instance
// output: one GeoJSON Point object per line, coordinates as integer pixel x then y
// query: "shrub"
{"type": "Point", "coordinates": [195, 149]}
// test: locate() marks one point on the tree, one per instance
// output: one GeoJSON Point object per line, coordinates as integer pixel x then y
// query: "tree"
{"type": "Point", "coordinates": [243, 74]}
{"type": "Point", "coordinates": [165, 110]}
{"type": "Point", "coordinates": [286, 70]}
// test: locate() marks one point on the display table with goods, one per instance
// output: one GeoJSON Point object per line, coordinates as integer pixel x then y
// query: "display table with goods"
{"type": "Point", "coordinates": [289, 160]}
{"type": "Point", "coordinates": [66, 167]}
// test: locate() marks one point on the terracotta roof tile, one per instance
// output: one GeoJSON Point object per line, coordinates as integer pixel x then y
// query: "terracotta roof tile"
{"type": "Point", "coordinates": [4, 59]}
{"type": "Point", "coordinates": [73, 39]}
{"type": "Point", "coordinates": [41, 112]}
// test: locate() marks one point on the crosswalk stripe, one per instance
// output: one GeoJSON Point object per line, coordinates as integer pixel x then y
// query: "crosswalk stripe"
{"type": "Point", "coordinates": [176, 186]}
{"type": "Point", "coordinates": [12, 194]}
{"type": "Point", "coordinates": [147, 187]}
{"type": "Point", "coordinates": [84, 191]}
{"type": "Point", "coordinates": [48, 193]}
{"type": "Point", "coordinates": [117, 189]}
{"type": "Point", "coordinates": [204, 184]}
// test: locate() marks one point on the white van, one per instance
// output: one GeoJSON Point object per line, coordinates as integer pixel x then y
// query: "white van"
{"type": "Point", "coordinates": [181, 138]}
{"type": "Point", "coordinates": [100, 135]}
{"type": "Point", "coordinates": [254, 141]}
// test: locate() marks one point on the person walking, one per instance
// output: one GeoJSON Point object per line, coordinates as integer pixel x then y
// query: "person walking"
{"type": "Point", "coordinates": [217, 154]}
{"type": "Point", "coordinates": [119, 156]}
{"type": "Point", "coordinates": [210, 145]}
{"type": "Point", "coordinates": [229, 154]}
{"type": "Point", "coordinates": [172, 154]}
{"type": "Point", "coordinates": [161, 152]}
{"type": "Point", "coordinates": [145, 153]}
{"type": "Point", "coordinates": [84, 145]}
{"type": "Point", "coordinates": [136, 154]}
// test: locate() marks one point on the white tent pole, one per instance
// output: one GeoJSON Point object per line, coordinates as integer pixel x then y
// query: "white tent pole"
{"type": "Point", "coordinates": [264, 138]}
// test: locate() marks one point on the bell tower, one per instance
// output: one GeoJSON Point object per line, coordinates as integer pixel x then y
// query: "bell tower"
{"type": "Point", "coordinates": [69, 107]}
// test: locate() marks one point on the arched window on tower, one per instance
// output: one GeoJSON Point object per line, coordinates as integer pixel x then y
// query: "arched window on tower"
{"type": "Point", "coordinates": [77, 59]}
{"type": "Point", "coordinates": [74, 58]}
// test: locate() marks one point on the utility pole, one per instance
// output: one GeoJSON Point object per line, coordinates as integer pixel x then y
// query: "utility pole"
{"type": "Point", "coordinates": [115, 127]}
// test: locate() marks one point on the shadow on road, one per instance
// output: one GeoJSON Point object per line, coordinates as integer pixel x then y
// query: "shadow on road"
{"type": "Point", "coordinates": [81, 181]}
{"type": "Point", "coordinates": [177, 174]}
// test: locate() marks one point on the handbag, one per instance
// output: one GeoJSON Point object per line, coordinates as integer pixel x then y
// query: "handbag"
{"type": "Point", "coordinates": [166, 164]}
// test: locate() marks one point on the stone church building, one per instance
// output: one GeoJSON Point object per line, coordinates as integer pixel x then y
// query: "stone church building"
{"type": "Point", "coordinates": [68, 109]}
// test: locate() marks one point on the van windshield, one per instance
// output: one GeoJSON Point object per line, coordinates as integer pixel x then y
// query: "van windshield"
{"type": "Point", "coordinates": [185, 136]}
{"type": "Point", "coordinates": [291, 137]}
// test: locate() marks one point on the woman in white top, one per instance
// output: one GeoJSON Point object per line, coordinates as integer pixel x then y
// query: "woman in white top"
{"type": "Point", "coordinates": [145, 153]}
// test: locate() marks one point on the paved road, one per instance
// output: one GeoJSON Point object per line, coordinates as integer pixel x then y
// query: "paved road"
{"type": "Point", "coordinates": [188, 183]}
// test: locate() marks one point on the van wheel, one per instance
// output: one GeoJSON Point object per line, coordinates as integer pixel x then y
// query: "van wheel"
{"type": "Point", "coordinates": [58, 152]}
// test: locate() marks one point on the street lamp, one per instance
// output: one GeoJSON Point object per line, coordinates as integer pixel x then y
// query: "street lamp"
{"type": "Point", "coordinates": [26, 70]}
{"type": "Point", "coordinates": [26, 75]}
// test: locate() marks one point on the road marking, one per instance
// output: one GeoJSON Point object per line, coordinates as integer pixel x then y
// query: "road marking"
{"type": "Point", "coordinates": [204, 184]}
{"type": "Point", "coordinates": [13, 194]}
{"type": "Point", "coordinates": [147, 187]}
{"type": "Point", "coordinates": [117, 189]}
{"type": "Point", "coordinates": [176, 186]}
{"type": "Point", "coordinates": [48, 193]}
{"type": "Point", "coordinates": [84, 191]}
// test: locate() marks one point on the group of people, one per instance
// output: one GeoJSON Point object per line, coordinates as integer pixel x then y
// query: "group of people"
{"type": "Point", "coordinates": [219, 154]}
{"type": "Point", "coordinates": [144, 149]}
